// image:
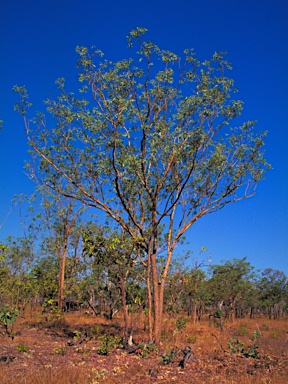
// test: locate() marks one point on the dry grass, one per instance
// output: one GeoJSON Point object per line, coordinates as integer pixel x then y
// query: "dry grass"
{"type": "Point", "coordinates": [212, 361]}
{"type": "Point", "coordinates": [50, 375]}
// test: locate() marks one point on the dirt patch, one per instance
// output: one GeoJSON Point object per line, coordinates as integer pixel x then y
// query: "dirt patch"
{"type": "Point", "coordinates": [81, 351]}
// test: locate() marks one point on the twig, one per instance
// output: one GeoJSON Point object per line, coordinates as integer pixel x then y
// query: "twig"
{"type": "Point", "coordinates": [259, 330]}
{"type": "Point", "coordinates": [219, 343]}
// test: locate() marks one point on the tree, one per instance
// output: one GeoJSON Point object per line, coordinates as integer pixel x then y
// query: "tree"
{"type": "Point", "coordinates": [116, 255]}
{"type": "Point", "coordinates": [149, 142]}
{"type": "Point", "coordinates": [231, 283]}
{"type": "Point", "coordinates": [273, 292]}
{"type": "Point", "coordinates": [61, 218]}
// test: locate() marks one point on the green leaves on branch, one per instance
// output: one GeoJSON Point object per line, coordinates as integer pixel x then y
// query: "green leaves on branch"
{"type": "Point", "coordinates": [8, 317]}
{"type": "Point", "coordinates": [155, 144]}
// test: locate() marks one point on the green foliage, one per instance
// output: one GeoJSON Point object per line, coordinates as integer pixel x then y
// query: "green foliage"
{"type": "Point", "coordinates": [242, 330]}
{"type": "Point", "coordinates": [77, 335]}
{"type": "Point", "coordinates": [95, 330]}
{"type": "Point", "coordinates": [22, 347]}
{"type": "Point", "coordinates": [108, 342]}
{"type": "Point", "coordinates": [61, 351]}
{"type": "Point", "coordinates": [191, 339]}
{"type": "Point", "coordinates": [17, 287]}
{"type": "Point", "coordinates": [218, 313]}
{"type": "Point", "coordinates": [145, 350]}
{"type": "Point", "coordinates": [97, 374]}
{"type": "Point", "coordinates": [84, 351]}
{"type": "Point", "coordinates": [232, 282]}
{"type": "Point", "coordinates": [256, 335]}
{"type": "Point", "coordinates": [273, 289]}
{"type": "Point", "coordinates": [181, 323]}
{"type": "Point", "coordinates": [8, 317]}
{"type": "Point", "coordinates": [54, 315]}
{"type": "Point", "coordinates": [166, 335]}
{"type": "Point", "coordinates": [169, 357]}
{"type": "Point", "coordinates": [277, 333]}
{"type": "Point", "coordinates": [150, 141]}
{"type": "Point", "coordinates": [265, 327]}
{"type": "Point", "coordinates": [252, 351]}
{"type": "Point", "coordinates": [236, 346]}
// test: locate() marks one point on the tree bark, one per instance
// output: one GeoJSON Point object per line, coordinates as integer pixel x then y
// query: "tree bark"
{"type": "Point", "coordinates": [61, 279]}
{"type": "Point", "coordinates": [125, 309]}
{"type": "Point", "coordinates": [149, 298]}
{"type": "Point", "coordinates": [157, 325]}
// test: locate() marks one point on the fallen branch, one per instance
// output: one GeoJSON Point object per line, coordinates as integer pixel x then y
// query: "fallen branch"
{"type": "Point", "coordinates": [219, 343]}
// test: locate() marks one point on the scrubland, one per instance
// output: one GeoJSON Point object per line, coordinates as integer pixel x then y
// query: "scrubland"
{"type": "Point", "coordinates": [83, 349]}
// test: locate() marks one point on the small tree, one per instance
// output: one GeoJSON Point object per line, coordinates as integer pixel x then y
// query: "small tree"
{"type": "Point", "coordinates": [150, 142]}
{"type": "Point", "coordinates": [61, 221]}
{"type": "Point", "coordinates": [231, 282]}
{"type": "Point", "coordinates": [116, 255]}
{"type": "Point", "coordinates": [273, 288]}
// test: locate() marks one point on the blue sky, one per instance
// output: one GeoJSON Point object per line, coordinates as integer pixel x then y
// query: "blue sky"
{"type": "Point", "coordinates": [38, 40]}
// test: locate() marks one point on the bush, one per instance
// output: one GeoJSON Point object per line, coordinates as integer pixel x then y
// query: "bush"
{"type": "Point", "coordinates": [256, 335]}
{"type": "Point", "coordinates": [168, 357]}
{"type": "Point", "coordinates": [8, 318]}
{"type": "Point", "coordinates": [23, 347]}
{"type": "Point", "coordinates": [242, 330]}
{"type": "Point", "coordinates": [277, 334]}
{"type": "Point", "coordinates": [107, 343]}
{"type": "Point", "coordinates": [236, 346]}
{"type": "Point", "coordinates": [61, 351]}
{"type": "Point", "coordinates": [181, 323]}
{"type": "Point", "coordinates": [265, 327]}
{"type": "Point", "coordinates": [191, 339]}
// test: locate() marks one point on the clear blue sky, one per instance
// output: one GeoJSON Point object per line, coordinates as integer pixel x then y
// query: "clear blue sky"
{"type": "Point", "coordinates": [37, 43]}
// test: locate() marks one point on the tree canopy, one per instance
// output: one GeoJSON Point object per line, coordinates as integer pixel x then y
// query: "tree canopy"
{"type": "Point", "coordinates": [153, 141]}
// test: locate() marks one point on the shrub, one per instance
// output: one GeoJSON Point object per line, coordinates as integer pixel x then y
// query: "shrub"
{"type": "Point", "coordinates": [22, 347]}
{"type": "Point", "coordinates": [168, 357]}
{"type": "Point", "coordinates": [191, 339]}
{"type": "Point", "coordinates": [256, 335]}
{"type": "Point", "coordinates": [236, 346]}
{"type": "Point", "coordinates": [181, 323]}
{"type": "Point", "coordinates": [8, 318]}
{"type": "Point", "coordinates": [277, 333]}
{"type": "Point", "coordinates": [242, 330]}
{"type": "Point", "coordinates": [265, 327]}
{"type": "Point", "coordinates": [61, 351]}
{"type": "Point", "coordinates": [107, 343]}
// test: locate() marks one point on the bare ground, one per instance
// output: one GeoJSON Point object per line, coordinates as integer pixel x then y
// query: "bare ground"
{"type": "Point", "coordinates": [70, 352]}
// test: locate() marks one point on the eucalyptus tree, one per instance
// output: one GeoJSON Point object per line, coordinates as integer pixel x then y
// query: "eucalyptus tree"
{"type": "Point", "coordinates": [116, 259]}
{"type": "Point", "coordinates": [273, 286]}
{"type": "Point", "coordinates": [61, 219]}
{"type": "Point", "coordinates": [154, 141]}
{"type": "Point", "coordinates": [232, 283]}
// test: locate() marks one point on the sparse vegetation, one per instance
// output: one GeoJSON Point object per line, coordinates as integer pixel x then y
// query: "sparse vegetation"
{"type": "Point", "coordinates": [154, 148]}
{"type": "Point", "coordinates": [109, 342]}
{"type": "Point", "coordinates": [64, 355]}
{"type": "Point", "coordinates": [61, 351]}
{"type": "Point", "coordinates": [22, 347]}
{"type": "Point", "coordinates": [8, 317]}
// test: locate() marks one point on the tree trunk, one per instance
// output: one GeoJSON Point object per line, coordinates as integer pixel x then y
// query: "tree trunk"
{"type": "Point", "coordinates": [61, 278]}
{"type": "Point", "coordinates": [149, 298]}
{"type": "Point", "coordinates": [125, 309]}
{"type": "Point", "coordinates": [232, 311]}
{"type": "Point", "coordinates": [157, 325]}
{"type": "Point", "coordinates": [194, 314]}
